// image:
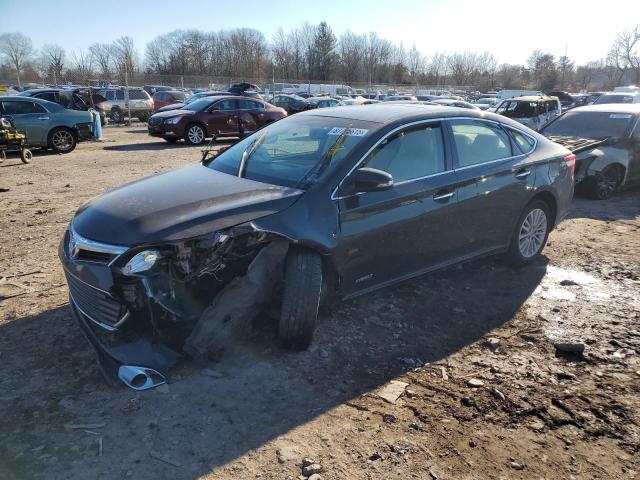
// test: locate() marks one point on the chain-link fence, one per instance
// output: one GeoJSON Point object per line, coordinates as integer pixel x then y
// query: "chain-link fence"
{"type": "Point", "coordinates": [267, 84]}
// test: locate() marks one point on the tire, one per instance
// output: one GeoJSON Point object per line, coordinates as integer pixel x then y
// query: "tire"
{"type": "Point", "coordinates": [601, 185]}
{"type": "Point", "coordinates": [116, 115]}
{"type": "Point", "coordinates": [62, 140]}
{"type": "Point", "coordinates": [171, 140]}
{"type": "Point", "coordinates": [528, 242]}
{"type": "Point", "coordinates": [195, 134]}
{"type": "Point", "coordinates": [3, 156]}
{"type": "Point", "coordinates": [300, 298]}
{"type": "Point", "coordinates": [26, 155]}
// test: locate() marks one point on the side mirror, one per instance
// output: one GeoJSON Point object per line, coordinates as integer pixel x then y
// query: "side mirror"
{"type": "Point", "coordinates": [367, 180]}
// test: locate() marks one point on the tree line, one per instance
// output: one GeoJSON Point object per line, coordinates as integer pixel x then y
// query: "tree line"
{"type": "Point", "coordinates": [313, 53]}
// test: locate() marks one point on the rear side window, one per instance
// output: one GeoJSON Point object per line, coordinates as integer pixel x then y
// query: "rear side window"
{"type": "Point", "coordinates": [225, 105]}
{"type": "Point", "coordinates": [479, 142]}
{"type": "Point", "coordinates": [410, 154]}
{"type": "Point", "coordinates": [523, 142]}
{"type": "Point", "coordinates": [250, 105]}
{"type": "Point", "coordinates": [49, 96]}
{"type": "Point", "coordinates": [138, 95]}
{"type": "Point", "coordinates": [20, 108]}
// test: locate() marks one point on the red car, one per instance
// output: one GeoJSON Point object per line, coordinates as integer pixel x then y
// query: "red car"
{"type": "Point", "coordinates": [167, 97]}
{"type": "Point", "coordinates": [223, 116]}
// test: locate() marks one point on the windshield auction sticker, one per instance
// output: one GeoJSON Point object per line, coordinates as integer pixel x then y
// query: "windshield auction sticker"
{"type": "Point", "coordinates": [353, 132]}
{"type": "Point", "coordinates": [620, 115]}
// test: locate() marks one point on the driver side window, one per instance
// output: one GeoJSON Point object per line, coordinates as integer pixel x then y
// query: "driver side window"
{"type": "Point", "coordinates": [410, 154]}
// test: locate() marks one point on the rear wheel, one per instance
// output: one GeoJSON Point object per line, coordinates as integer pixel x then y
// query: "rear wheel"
{"type": "Point", "coordinates": [603, 184]}
{"type": "Point", "coordinates": [301, 298]}
{"type": "Point", "coordinates": [62, 140]}
{"type": "Point", "coordinates": [194, 134]}
{"type": "Point", "coordinates": [116, 115]}
{"type": "Point", "coordinates": [531, 233]}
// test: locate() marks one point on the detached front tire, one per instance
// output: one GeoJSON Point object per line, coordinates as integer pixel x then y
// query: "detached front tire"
{"type": "Point", "coordinates": [530, 236]}
{"type": "Point", "coordinates": [601, 185]}
{"type": "Point", "coordinates": [301, 297]}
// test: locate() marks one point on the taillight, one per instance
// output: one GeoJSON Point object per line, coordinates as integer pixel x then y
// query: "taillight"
{"type": "Point", "coordinates": [571, 162]}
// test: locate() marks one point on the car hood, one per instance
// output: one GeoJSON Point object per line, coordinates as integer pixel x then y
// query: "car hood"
{"type": "Point", "coordinates": [176, 205]}
{"type": "Point", "coordinates": [172, 113]}
{"type": "Point", "coordinates": [173, 106]}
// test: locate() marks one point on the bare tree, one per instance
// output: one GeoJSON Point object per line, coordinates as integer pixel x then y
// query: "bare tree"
{"type": "Point", "coordinates": [415, 63]}
{"type": "Point", "coordinates": [52, 58]}
{"type": "Point", "coordinates": [125, 55]}
{"type": "Point", "coordinates": [82, 64]}
{"type": "Point", "coordinates": [17, 49]}
{"type": "Point", "coordinates": [102, 55]}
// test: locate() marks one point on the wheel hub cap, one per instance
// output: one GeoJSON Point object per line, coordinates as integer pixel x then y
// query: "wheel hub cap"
{"type": "Point", "coordinates": [62, 140]}
{"type": "Point", "coordinates": [196, 134]}
{"type": "Point", "coordinates": [532, 233]}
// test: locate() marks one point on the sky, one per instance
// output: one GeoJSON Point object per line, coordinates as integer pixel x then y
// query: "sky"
{"type": "Point", "coordinates": [508, 29]}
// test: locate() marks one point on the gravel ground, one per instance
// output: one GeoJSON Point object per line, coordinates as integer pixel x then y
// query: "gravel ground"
{"type": "Point", "coordinates": [485, 393]}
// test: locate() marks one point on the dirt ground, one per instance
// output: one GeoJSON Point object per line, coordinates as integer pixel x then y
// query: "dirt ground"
{"type": "Point", "coordinates": [488, 394]}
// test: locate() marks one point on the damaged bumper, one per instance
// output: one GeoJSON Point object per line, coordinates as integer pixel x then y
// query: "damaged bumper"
{"type": "Point", "coordinates": [140, 323]}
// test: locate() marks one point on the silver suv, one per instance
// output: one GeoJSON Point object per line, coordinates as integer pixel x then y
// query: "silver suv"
{"type": "Point", "coordinates": [116, 107]}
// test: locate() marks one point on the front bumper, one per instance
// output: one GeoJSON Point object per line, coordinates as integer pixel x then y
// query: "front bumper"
{"type": "Point", "coordinates": [85, 131]}
{"type": "Point", "coordinates": [165, 131]}
{"type": "Point", "coordinates": [120, 336]}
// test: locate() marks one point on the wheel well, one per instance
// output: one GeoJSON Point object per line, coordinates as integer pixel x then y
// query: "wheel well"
{"type": "Point", "coordinates": [550, 200]}
{"type": "Point", "coordinates": [204, 127]}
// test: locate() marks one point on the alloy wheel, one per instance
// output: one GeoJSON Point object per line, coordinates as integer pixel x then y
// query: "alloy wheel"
{"type": "Point", "coordinates": [532, 233]}
{"type": "Point", "coordinates": [195, 134]}
{"type": "Point", "coordinates": [62, 140]}
{"type": "Point", "coordinates": [608, 182]}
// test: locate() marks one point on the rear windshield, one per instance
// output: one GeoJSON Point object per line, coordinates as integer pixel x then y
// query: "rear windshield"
{"type": "Point", "coordinates": [596, 125]}
{"type": "Point", "coordinates": [177, 95]}
{"type": "Point", "coordinates": [295, 151]}
{"type": "Point", "coordinates": [614, 99]}
{"type": "Point", "coordinates": [138, 95]}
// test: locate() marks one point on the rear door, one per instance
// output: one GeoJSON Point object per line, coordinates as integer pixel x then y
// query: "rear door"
{"type": "Point", "coordinates": [29, 116]}
{"type": "Point", "coordinates": [222, 117]}
{"type": "Point", "coordinates": [251, 115]}
{"type": "Point", "coordinates": [393, 234]}
{"type": "Point", "coordinates": [494, 183]}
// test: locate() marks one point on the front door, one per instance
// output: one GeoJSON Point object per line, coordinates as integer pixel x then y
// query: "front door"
{"type": "Point", "coordinates": [393, 234]}
{"type": "Point", "coordinates": [222, 117]}
{"type": "Point", "coordinates": [29, 116]}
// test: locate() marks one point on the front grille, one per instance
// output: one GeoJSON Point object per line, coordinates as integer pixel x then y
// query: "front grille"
{"type": "Point", "coordinates": [96, 304]}
{"type": "Point", "coordinates": [154, 121]}
{"type": "Point", "coordinates": [92, 256]}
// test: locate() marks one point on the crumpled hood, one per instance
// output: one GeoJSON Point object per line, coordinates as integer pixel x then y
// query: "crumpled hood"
{"type": "Point", "coordinates": [176, 205]}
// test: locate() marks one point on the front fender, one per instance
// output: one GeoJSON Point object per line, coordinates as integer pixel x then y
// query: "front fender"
{"type": "Point", "coordinates": [604, 156]}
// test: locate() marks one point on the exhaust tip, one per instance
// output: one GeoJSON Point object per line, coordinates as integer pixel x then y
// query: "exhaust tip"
{"type": "Point", "coordinates": [140, 378]}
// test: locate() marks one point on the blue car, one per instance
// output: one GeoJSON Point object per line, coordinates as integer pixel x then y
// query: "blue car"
{"type": "Point", "coordinates": [47, 124]}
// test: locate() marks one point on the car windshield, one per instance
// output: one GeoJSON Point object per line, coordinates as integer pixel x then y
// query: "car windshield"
{"type": "Point", "coordinates": [486, 101]}
{"type": "Point", "coordinates": [516, 109]}
{"type": "Point", "coordinates": [295, 151]}
{"type": "Point", "coordinates": [614, 99]}
{"type": "Point", "coordinates": [596, 125]}
{"type": "Point", "coordinates": [198, 105]}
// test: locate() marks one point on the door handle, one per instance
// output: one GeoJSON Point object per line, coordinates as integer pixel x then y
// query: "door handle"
{"type": "Point", "coordinates": [522, 174]}
{"type": "Point", "coordinates": [443, 196]}
{"type": "Point", "coordinates": [43, 118]}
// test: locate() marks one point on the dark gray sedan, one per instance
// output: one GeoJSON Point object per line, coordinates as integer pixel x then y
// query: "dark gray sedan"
{"type": "Point", "coordinates": [47, 124]}
{"type": "Point", "coordinates": [341, 200]}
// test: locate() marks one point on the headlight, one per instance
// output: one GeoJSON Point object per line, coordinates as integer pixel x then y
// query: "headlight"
{"type": "Point", "coordinates": [141, 262]}
{"type": "Point", "coordinates": [172, 120]}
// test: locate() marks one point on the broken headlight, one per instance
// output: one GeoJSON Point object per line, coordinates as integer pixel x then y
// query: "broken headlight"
{"type": "Point", "coordinates": [141, 262]}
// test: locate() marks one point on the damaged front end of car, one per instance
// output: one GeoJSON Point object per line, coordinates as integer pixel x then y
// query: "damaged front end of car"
{"type": "Point", "coordinates": [143, 308]}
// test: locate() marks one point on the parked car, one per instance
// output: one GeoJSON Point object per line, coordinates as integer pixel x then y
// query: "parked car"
{"type": "Point", "coordinates": [606, 141]}
{"type": "Point", "coordinates": [224, 116]}
{"type": "Point", "coordinates": [140, 103]}
{"type": "Point", "coordinates": [47, 124]}
{"type": "Point", "coordinates": [163, 98]}
{"type": "Point", "coordinates": [618, 97]}
{"type": "Point", "coordinates": [323, 102]}
{"type": "Point", "coordinates": [151, 89]}
{"type": "Point", "coordinates": [534, 112]}
{"type": "Point", "coordinates": [566, 99]}
{"type": "Point", "coordinates": [454, 103]}
{"type": "Point", "coordinates": [487, 102]}
{"type": "Point", "coordinates": [291, 103]}
{"type": "Point", "coordinates": [73, 99]}
{"type": "Point", "coordinates": [395, 98]}
{"type": "Point", "coordinates": [338, 202]}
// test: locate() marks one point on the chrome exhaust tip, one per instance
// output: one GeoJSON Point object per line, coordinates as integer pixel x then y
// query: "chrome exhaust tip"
{"type": "Point", "coordinates": [140, 378]}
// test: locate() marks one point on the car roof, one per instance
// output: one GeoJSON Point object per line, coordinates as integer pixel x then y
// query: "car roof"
{"type": "Point", "coordinates": [632, 108]}
{"type": "Point", "coordinates": [41, 90]}
{"type": "Point", "coordinates": [388, 112]}
{"type": "Point", "coordinates": [532, 98]}
{"type": "Point", "coordinates": [621, 94]}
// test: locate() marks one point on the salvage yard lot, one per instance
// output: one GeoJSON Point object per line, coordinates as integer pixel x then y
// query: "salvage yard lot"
{"type": "Point", "coordinates": [488, 394]}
